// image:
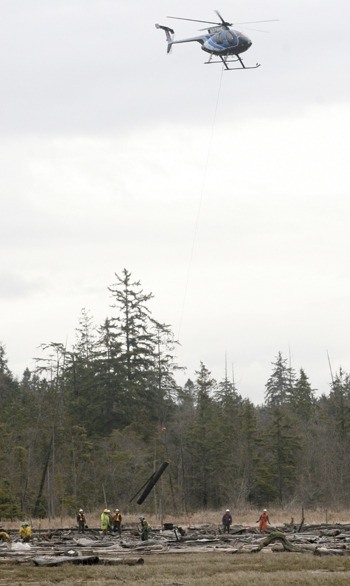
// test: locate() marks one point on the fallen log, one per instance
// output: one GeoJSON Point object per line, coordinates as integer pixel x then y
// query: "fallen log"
{"type": "Point", "coordinates": [15, 561]}
{"type": "Point", "coordinates": [330, 532]}
{"type": "Point", "coordinates": [328, 551]}
{"type": "Point", "coordinates": [281, 538]}
{"type": "Point", "coordinates": [151, 547]}
{"type": "Point", "coordinates": [122, 561]}
{"type": "Point", "coordinates": [60, 561]}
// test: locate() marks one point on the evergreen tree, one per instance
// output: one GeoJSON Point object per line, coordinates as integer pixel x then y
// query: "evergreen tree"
{"type": "Point", "coordinates": [339, 403]}
{"type": "Point", "coordinates": [97, 402]}
{"type": "Point", "coordinates": [132, 321]}
{"type": "Point", "coordinates": [226, 393]}
{"type": "Point", "coordinates": [165, 368]}
{"type": "Point", "coordinates": [249, 448]}
{"type": "Point", "coordinates": [113, 398]}
{"type": "Point", "coordinates": [277, 465]}
{"type": "Point", "coordinates": [8, 385]}
{"type": "Point", "coordinates": [203, 441]}
{"type": "Point", "coordinates": [230, 458]}
{"type": "Point", "coordinates": [302, 397]}
{"type": "Point", "coordinates": [183, 421]}
{"type": "Point", "coordinates": [186, 395]}
{"type": "Point", "coordinates": [279, 386]}
{"type": "Point", "coordinates": [146, 368]}
{"type": "Point", "coordinates": [9, 501]}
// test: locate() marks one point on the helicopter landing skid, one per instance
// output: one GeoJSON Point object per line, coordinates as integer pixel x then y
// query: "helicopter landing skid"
{"type": "Point", "coordinates": [225, 61]}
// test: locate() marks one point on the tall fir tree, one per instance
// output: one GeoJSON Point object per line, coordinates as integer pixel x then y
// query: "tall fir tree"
{"type": "Point", "coordinates": [146, 363]}
{"type": "Point", "coordinates": [277, 463]}
{"type": "Point", "coordinates": [279, 386]}
{"type": "Point", "coordinates": [302, 397]}
{"type": "Point", "coordinates": [203, 441]}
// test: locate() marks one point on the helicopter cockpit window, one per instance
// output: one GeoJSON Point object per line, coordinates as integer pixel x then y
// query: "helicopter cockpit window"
{"type": "Point", "coordinates": [219, 39]}
{"type": "Point", "coordinates": [231, 37]}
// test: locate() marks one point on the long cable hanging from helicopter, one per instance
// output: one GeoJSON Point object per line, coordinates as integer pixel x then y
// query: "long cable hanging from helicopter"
{"type": "Point", "coordinates": [201, 194]}
{"type": "Point", "coordinates": [227, 44]}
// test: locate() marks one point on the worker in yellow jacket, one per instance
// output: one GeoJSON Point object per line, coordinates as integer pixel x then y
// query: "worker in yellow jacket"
{"type": "Point", "coordinates": [25, 531]}
{"type": "Point", "coordinates": [105, 521]}
{"type": "Point", "coordinates": [4, 536]}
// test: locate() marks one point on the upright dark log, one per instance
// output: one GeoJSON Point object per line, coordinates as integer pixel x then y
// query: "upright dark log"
{"type": "Point", "coordinates": [36, 511]}
{"type": "Point", "coordinates": [151, 482]}
{"type": "Point", "coordinates": [302, 519]}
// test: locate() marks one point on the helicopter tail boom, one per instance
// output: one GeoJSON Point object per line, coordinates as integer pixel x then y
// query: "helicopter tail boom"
{"type": "Point", "coordinates": [168, 33]}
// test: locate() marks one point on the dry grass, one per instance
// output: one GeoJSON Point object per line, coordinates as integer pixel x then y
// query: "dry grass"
{"type": "Point", "coordinates": [248, 516]}
{"type": "Point", "coordinates": [243, 516]}
{"type": "Point", "coordinates": [261, 569]}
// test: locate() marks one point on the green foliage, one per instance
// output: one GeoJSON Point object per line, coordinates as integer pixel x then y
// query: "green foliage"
{"type": "Point", "coordinates": [95, 420]}
{"type": "Point", "coordinates": [277, 465]}
{"type": "Point", "coordinates": [280, 384]}
{"type": "Point", "coordinates": [9, 505]}
{"type": "Point", "coordinates": [8, 385]}
{"type": "Point", "coordinates": [302, 397]}
{"type": "Point", "coordinates": [339, 403]}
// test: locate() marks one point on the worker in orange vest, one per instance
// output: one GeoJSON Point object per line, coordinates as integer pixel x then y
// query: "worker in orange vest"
{"type": "Point", "coordinates": [117, 522]}
{"type": "Point", "coordinates": [81, 521]}
{"type": "Point", "coordinates": [263, 521]}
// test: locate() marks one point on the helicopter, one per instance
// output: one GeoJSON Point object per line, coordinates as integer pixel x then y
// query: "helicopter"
{"type": "Point", "coordinates": [220, 41]}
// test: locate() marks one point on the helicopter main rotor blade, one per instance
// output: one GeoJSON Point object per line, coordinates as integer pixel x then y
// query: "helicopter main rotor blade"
{"type": "Point", "coordinates": [258, 21]}
{"type": "Point", "coordinates": [194, 20]}
{"type": "Point", "coordinates": [224, 22]}
{"type": "Point", "coordinates": [256, 30]}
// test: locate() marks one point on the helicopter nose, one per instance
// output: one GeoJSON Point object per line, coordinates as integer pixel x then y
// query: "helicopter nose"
{"type": "Point", "coordinates": [245, 43]}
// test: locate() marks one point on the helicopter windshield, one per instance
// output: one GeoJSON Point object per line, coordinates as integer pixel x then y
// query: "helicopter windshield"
{"type": "Point", "coordinates": [231, 38]}
{"type": "Point", "coordinates": [226, 38]}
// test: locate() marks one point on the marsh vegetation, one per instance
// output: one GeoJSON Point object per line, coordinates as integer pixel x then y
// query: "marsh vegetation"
{"type": "Point", "coordinates": [261, 569]}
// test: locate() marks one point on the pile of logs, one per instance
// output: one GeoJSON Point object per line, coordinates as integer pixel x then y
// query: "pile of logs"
{"type": "Point", "coordinates": [67, 546]}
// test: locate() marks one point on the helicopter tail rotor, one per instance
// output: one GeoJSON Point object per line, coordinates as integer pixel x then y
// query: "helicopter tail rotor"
{"type": "Point", "coordinates": [169, 32]}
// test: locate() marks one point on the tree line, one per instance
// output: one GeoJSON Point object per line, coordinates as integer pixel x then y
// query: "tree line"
{"type": "Point", "coordinates": [90, 424]}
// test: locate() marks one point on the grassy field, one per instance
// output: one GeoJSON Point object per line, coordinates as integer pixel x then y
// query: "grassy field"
{"type": "Point", "coordinates": [188, 569]}
{"type": "Point", "coordinates": [260, 569]}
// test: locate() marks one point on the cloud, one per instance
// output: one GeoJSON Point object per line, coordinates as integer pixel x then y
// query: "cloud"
{"type": "Point", "coordinates": [13, 286]}
{"type": "Point", "coordinates": [92, 67]}
{"type": "Point", "coordinates": [225, 193]}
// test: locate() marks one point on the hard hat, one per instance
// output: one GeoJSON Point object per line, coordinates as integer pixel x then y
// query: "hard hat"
{"type": "Point", "coordinates": [141, 518]}
{"type": "Point", "coordinates": [117, 510]}
{"type": "Point", "coordinates": [265, 510]}
{"type": "Point", "coordinates": [81, 511]}
{"type": "Point", "coordinates": [227, 510]}
{"type": "Point", "coordinates": [108, 510]}
{"type": "Point", "coordinates": [105, 510]}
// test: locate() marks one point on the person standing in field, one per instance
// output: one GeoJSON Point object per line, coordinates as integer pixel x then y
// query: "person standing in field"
{"type": "Point", "coordinates": [81, 521]}
{"type": "Point", "coordinates": [117, 522]}
{"type": "Point", "coordinates": [227, 521]}
{"type": "Point", "coordinates": [105, 522]}
{"type": "Point", "coordinates": [263, 521]}
{"type": "Point", "coordinates": [144, 529]}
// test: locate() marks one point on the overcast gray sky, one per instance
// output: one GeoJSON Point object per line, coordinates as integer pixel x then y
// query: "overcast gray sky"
{"type": "Point", "coordinates": [225, 193]}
